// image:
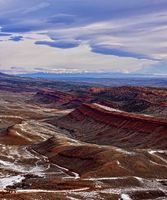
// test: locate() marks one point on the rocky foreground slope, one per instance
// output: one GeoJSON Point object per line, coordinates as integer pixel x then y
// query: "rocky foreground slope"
{"type": "Point", "coordinates": [123, 149]}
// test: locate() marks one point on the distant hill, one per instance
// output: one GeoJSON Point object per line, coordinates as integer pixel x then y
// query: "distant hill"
{"type": "Point", "coordinates": [105, 79]}
{"type": "Point", "coordinates": [87, 75]}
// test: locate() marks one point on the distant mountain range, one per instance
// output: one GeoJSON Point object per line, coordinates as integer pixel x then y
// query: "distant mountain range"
{"type": "Point", "coordinates": [88, 75]}
{"type": "Point", "coordinates": [87, 79]}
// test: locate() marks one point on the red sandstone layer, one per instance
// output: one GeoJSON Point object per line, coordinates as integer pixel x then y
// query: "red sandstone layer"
{"type": "Point", "coordinates": [136, 122]}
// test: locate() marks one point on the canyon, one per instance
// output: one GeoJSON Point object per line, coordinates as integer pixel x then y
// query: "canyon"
{"type": "Point", "coordinates": [62, 141]}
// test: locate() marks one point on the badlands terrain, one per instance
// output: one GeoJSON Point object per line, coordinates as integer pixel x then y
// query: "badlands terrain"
{"type": "Point", "coordinates": [66, 141]}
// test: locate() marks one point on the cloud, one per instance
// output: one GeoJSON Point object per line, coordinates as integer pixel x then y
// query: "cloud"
{"type": "Point", "coordinates": [65, 44]}
{"type": "Point", "coordinates": [16, 38]}
{"type": "Point", "coordinates": [123, 37]}
{"type": "Point", "coordinates": [122, 32]}
{"type": "Point", "coordinates": [5, 34]}
{"type": "Point", "coordinates": [61, 19]}
{"type": "Point", "coordinates": [159, 68]}
{"type": "Point", "coordinates": [117, 52]}
{"type": "Point", "coordinates": [26, 57]}
{"type": "Point", "coordinates": [35, 8]}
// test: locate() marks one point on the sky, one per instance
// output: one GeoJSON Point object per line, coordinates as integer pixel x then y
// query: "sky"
{"type": "Point", "coordinates": [71, 36]}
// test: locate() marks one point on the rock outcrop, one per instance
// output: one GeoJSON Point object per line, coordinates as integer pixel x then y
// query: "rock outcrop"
{"type": "Point", "coordinates": [103, 125]}
{"type": "Point", "coordinates": [61, 99]}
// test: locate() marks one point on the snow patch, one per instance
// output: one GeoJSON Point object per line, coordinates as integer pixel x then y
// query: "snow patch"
{"type": "Point", "coordinates": [125, 197]}
{"type": "Point", "coordinates": [107, 108]}
{"type": "Point", "coordinates": [9, 181]}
